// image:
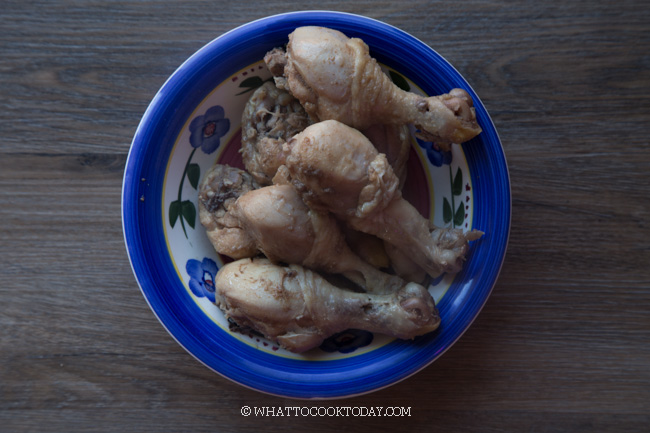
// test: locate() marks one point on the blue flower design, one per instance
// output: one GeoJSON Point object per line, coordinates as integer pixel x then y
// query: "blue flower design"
{"type": "Point", "coordinates": [435, 155]}
{"type": "Point", "coordinates": [202, 276]}
{"type": "Point", "coordinates": [347, 341]}
{"type": "Point", "coordinates": [206, 130]}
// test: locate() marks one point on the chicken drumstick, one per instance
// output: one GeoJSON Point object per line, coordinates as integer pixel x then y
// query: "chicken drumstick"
{"type": "Point", "coordinates": [299, 309]}
{"type": "Point", "coordinates": [271, 117]}
{"type": "Point", "coordinates": [219, 190]}
{"type": "Point", "coordinates": [336, 168]}
{"type": "Point", "coordinates": [334, 77]}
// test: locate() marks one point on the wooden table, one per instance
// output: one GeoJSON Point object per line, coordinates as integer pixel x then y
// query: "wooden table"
{"type": "Point", "coordinates": [563, 344]}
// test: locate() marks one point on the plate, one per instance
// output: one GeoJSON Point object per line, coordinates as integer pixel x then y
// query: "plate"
{"type": "Point", "coordinates": [194, 121]}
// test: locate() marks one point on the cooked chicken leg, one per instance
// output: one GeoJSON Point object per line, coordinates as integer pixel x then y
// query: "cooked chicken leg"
{"type": "Point", "coordinates": [299, 309]}
{"type": "Point", "coordinates": [286, 230]}
{"type": "Point", "coordinates": [271, 117]}
{"type": "Point", "coordinates": [218, 192]}
{"type": "Point", "coordinates": [337, 169]}
{"type": "Point", "coordinates": [334, 77]}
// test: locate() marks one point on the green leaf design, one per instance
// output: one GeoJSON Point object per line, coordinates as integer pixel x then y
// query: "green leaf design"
{"type": "Point", "coordinates": [174, 212]}
{"type": "Point", "coordinates": [399, 81]}
{"type": "Point", "coordinates": [249, 84]}
{"type": "Point", "coordinates": [189, 212]}
{"type": "Point", "coordinates": [457, 186]}
{"type": "Point", "coordinates": [459, 216]}
{"type": "Point", "coordinates": [194, 174]}
{"type": "Point", "coordinates": [252, 82]}
{"type": "Point", "coordinates": [446, 210]}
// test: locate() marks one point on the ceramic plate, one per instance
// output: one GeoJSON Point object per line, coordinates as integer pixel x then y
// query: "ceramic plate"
{"type": "Point", "coordinates": [194, 121]}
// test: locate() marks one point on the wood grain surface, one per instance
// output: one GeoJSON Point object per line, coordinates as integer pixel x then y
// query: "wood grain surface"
{"type": "Point", "coordinates": [563, 344]}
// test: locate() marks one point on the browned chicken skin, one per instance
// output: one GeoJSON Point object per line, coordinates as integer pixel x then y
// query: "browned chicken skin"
{"type": "Point", "coordinates": [334, 77]}
{"type": "Point", "coordinates": [299, 309]}
{"type": "Point", "coordinates": [337, 169]}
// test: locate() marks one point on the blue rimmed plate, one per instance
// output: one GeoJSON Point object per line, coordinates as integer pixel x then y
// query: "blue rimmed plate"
{"type": "Point", "coordinates": [194, 121]}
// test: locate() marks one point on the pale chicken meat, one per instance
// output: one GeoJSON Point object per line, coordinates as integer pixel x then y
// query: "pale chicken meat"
{"type": "Point", "coordinates": [334, 77]}
{"type": "Point", "coordinates": [299, 309]}
{"type": "Point", "coordinates": [336, 169]}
